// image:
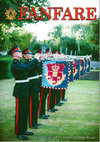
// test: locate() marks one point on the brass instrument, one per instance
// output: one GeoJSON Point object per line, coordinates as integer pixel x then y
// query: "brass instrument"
{"type": "Point", "coordinates": [65, 57]}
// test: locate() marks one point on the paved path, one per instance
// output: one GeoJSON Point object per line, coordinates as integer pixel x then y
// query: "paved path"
{"type": "Point", "coordinates": [93, 75]}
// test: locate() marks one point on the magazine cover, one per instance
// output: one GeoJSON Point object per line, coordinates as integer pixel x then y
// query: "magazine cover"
{"type": "Point", "coordinates": [49, 70]}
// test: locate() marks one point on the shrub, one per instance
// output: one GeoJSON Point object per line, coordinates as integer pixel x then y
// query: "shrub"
{"type": "Point", "coordinates": [5, 64]}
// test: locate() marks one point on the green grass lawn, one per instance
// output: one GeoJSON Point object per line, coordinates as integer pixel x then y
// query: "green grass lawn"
{"type": "Point", "coordinates": [76, 120]}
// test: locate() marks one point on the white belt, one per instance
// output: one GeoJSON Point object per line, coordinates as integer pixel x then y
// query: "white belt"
{"type": "Point", "coordinates": [40, 75]}
{"type": "Point", "coordinates": [21, 81]}
{"type": "Point", "coordinates": [35, 77]}
{"type": "Point", "coordinates": [27, 80]}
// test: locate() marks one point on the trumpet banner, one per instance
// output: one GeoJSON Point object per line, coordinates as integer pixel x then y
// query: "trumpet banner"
{"type": "Point", "coordinates": [77, 70]}
{"type": "Point", "coordinates": [88, 65]}
{"type": "Point", "coordinates": [81, 67]}
{"type": "Point", "coordinates": [85, 66]}
{"type": "Point", "coordinates": [55, 74]}
{"type": "Point", "coordinates": [71, 75]}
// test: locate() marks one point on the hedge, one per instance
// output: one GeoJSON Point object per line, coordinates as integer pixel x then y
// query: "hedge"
{"type": "Point", "coordinates": [5, 65]}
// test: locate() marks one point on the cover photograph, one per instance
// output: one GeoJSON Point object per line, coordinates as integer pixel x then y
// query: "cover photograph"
{"type": "Point", "coordinates": [49, 70]}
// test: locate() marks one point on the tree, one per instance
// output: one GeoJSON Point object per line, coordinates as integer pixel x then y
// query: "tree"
{"type": "Point", "coordinates": [6, 4]}
{"type": "Point", "coordinates": [68, 42]}
{"type": "Point", "coordinates": [88, 38]}
{"type": "Point", "coordinates": [88, 32]}
{"type": "Point", "coordinates": [4, 38]}
{"type": "Point", "coordinates": [85, 47]}
{"type": "Point", "coordinates": [94, 36]}
{"type": "Point", "coordinates": [82, 29]}
{"type": "Point", "coordinates": [25, 40]}
{"type": "Point", "coordinates": [35, 45]}
{"type": "Point", "coordinates": [62, 41]}
{"type": "Point", "coordinates": [57, 33]}
{"type": "Point", "coordinates": [9, 37]}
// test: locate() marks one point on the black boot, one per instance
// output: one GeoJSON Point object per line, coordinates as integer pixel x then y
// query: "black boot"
{"type": "Point", "coordinates": [43, 117]}
{"type": "Point", "coordinates": [28, 133]}
{"type": "Point", "coordinates": [22, 137]}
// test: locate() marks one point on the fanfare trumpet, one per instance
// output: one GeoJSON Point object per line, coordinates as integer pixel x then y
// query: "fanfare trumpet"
{"type": "Point", "coordinates": [62, 57]}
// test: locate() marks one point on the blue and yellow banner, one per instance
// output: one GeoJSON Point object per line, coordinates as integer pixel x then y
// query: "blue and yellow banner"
{"type": "Point", "coordinates": [71, 76]}
{"type": "Point", "coordinates": [77, 70]}
{"type": "Point", "coordinates": [88, 65]}
{"type": "Point", "coordinates": [81, 67]}
{"type": "Point", "coordinates": [55, 74]}
{"type": "Point", "coordinates": [85, 66]}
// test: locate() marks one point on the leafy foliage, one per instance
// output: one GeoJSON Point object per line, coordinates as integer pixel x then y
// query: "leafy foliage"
{"type": "Point", "coordinates": [63, 41]}
{"type": "Point", "coordinates": [15, 4]}
{"type": "Point", "coordinates": [5, 65]}
{"type": "Point", "coordinates": [88, 38]}
{"type": "Point", "coordinates": [57, 33]}
{"type": "Point", "coordinates": [88, 32]}
{"type": "Point", "coordinates": [94, 38]}
{"type": "Point", "coordinates": [9, 37]}
{"type": "Point", "coordinates": [68, 42]}
{"type": "Point", "coordinates": [35, 45]}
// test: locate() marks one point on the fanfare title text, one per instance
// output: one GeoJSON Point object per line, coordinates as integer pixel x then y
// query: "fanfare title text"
{"type": "Point", "coordinates": [58, 13]}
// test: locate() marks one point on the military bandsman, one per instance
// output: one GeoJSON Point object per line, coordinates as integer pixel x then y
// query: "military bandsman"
{"type": "Point", "coordinates": [21, 91]}
{"type": "Point", "coordinates": [33, 90]}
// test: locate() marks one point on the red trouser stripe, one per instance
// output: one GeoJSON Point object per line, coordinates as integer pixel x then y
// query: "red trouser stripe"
{"type": "Point", "coordinates": [49, 98]}
{"type": "Point", "coordinates": [17, 108]}
{"type": "Point", "coordinates": [30, 111]}
{"type": "Point", "coordinates": [61, 93]}
{"type": "Point", "coordinates": [41, 100]}
{"type": "Point", "coordinates": [55, 100]}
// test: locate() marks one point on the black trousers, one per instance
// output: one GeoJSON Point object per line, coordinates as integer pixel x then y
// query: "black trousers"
{"type": "Point", "coordinates": [33, 109]}
{"type": "Point", "coordinates": [42, 103]}
{"type": "Point", "coordinates": [57, 96]}
{"type": "Point", "coordinates": [63, 94]}
{"type": "Point", "coordinates": [22, 105]}
{"type": "Point", "coordinates": [51, 99]}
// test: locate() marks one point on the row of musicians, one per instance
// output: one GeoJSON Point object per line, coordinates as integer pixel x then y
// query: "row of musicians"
{"type": "Point", "coordinates": [26, 92]}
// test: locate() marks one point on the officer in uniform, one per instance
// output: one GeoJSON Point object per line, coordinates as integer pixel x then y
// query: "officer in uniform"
{"type": "Point", "coordinates": [33, 90]}
{"type": "Point", "coordinates": [53, 93]}
{"type": "Point", "coordinates": [43, 91]}
{"type": "Point", "coordinates": [21, 91]}
{"type": "Point", "coordinates": [51, 101]}
{"type": "Point", "coordinates": [62, 92]}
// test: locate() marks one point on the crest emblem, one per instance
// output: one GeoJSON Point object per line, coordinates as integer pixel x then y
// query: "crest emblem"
{"type": "Point", "coordinates": [81, 67]}
{"type": "Point", "coordinates": [87, 66]}
{"type": "Point", "coordinates": [55, 74]}
{"type": "Point", "coordinates": [84, 67]}
{"type": "Point", "coordinates": [10, 14]}
{"type": "Point", "coordinates": [75, 70]}
{"type": "Point", "coordinates": [69, 73]}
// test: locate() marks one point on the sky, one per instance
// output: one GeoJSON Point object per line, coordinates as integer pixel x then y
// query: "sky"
{"type": "Point", "coordinates": [41, 29]}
